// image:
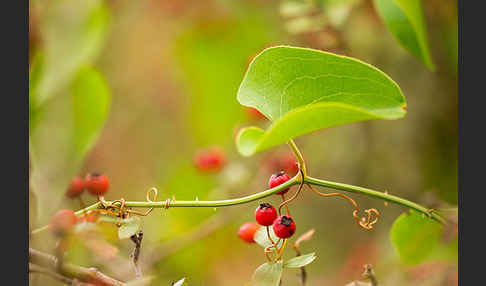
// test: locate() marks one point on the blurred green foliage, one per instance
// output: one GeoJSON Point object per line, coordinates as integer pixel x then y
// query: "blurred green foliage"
{"type": "Point", "coordinates": [173, 70]}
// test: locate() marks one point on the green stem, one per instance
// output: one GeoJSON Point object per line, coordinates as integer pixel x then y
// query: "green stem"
{"type": "Point", "coordinates": [298, 155]}
{"type": "Point", "coordinates": [293, 181]}
{"type": "Point", "coordinates": [172, 204]}
{"type": "Point", "coordinates": [375, 194]}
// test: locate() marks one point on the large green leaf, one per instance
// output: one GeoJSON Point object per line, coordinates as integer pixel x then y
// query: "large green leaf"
{"type": "Point", "coordinates": [91, 103]}
{"type": "Point", "coordinates": [415, 237]}
{"type": "Point", "coordinates": [73, 33]}
{"type": "Point", "coordinates": [304, 90]}
{"type": "Point", "coordinates": [406, 21]}
{"type": "Point", "coordinates": [268, 274]}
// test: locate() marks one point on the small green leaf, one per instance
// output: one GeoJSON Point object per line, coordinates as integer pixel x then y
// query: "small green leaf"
{"type": "Point", "coordinates": [406, 21]}
{"type": "Point", "coordinates": [180, 282]}
{"type": "Point", "coordinates": [268, 274]}
{"type": "Point", "coordinates": [304, 90]}
{"type": "Point", "coordinates": [91, 103]}
{"type": "Point", "coordinates": [300, 261]}
{"type": "Point", "coordinates": [129, 227]}
{"type": "Point", "coordinates": [415, 237]}
{"type": "Point", "coordinates": [261, 237]}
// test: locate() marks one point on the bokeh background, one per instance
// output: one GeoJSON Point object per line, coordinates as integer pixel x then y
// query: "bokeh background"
{"type": "Point", "coordinates": [173, 69]}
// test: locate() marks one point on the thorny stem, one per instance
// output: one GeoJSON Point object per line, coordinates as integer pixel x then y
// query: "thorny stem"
{"type": "Point", "coordinates": [293, 181]}
{"type": "Point", "coordinates": [375, 194]}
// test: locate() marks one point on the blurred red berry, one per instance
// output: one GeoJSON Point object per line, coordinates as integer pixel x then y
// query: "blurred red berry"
{"type": "Point", "coordinates": [253, 113]}
{"type": "Point", "coordinates": [62, 222]}
{"type": "Point", "coordinates": [76, 187]}
{"type": "Point", "coordinates": [278, 179]}
{"type": "Point", "coordinates": [89, 218]}
{"type": "Point", "coordinates": [247, 231]}
{"type": "Point", "coordinates": [210, 160]}
{"type": "Point", "coordinates": [284, 226]}
{"type": "Point", "coordinates": [284, 161]}
{"type": "Point", "coordinates": [96, 184]}
{"type": "Point", "coordinates": [265, 214]}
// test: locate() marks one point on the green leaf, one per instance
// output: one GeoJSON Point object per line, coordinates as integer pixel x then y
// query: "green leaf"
{"type": "Point", "coordinates": [304, 90]}
{"type": "Point", "coordinates": [91, 103]}
{"type": "Point", "coordinates": [34, 79]}
{"type": "Point", "coordinates": [129, 227]}
{"type": "Point", "coordinates": [406, 21]}
{"type": "Point", "coordinates": [73, 33]}
{"type": "Point", "coordinates": [261, 237]}
{"type": "Point", "coordinates": [180, 282]}
{"type": "Point", "coordinates": [268, 274]}
{"type": "Point", "coordinates": [300, 261]}
{"type": "Point", "coordinates": [415, 237]}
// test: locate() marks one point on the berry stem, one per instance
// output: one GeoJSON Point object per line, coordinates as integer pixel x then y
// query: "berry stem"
{"type": "Point", "coordinates": [268, 234]}
{"type": "Point", "coordinates": [286, 206]}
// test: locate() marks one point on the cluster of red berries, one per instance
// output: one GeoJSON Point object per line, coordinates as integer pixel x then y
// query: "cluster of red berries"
{"type": "Point", "coordinates": [95, 183]}
{"type": "Point", "coordinates": [266, 215]}
{"type": "Point", "coordinates": [210, 160]}
{"type": "Point", "coordinates": [64, 220]}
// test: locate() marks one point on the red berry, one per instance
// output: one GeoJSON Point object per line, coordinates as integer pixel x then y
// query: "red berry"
{"type": "Point", "coordinates": [254, 113]}
{"type": "Point", "coordinates": [96, 184]}
{"type": "Point", "coordinates": [62, 222]}
{"type": "Point", "coordinates": [76, 187]}
{"type": "Point", "coordinates": [247, 231]}
{"type": "Point", "coordinates": [210, 160]}
{"type": "Point", "coordinates": [265, 214]}
{"type": "Point", "coordinates": [284, 226]}
{"type": "Point", "coordinates": [278, 179]}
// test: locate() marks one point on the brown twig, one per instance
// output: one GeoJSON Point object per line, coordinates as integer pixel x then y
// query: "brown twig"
{"type": "Point", "coordinates": [84, 274]}
{"type": "Point", "coordinates": [33, 268]}
{"type": "Point", "coordinates": [370, 274]}
{"type": "Point", "coordinates": [137, 239]}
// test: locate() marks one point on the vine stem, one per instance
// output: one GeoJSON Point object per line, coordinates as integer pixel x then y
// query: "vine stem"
{"type": "Point", "coordinates": [372, 193]}
{"type": "Point", "coordinates": [293, 181]}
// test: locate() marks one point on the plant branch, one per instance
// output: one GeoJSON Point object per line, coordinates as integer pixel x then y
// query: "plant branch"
{"type": "Point", "coordinates": [33, 268]}
{"type": "Point", "coordinates": [137, 239]}
{"type": "Point", "coordinates": [375, 194]}
{"type": "Point", "coordinates": [73, 271]}
{"type": "Point", "coordinates": [293, 181]}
